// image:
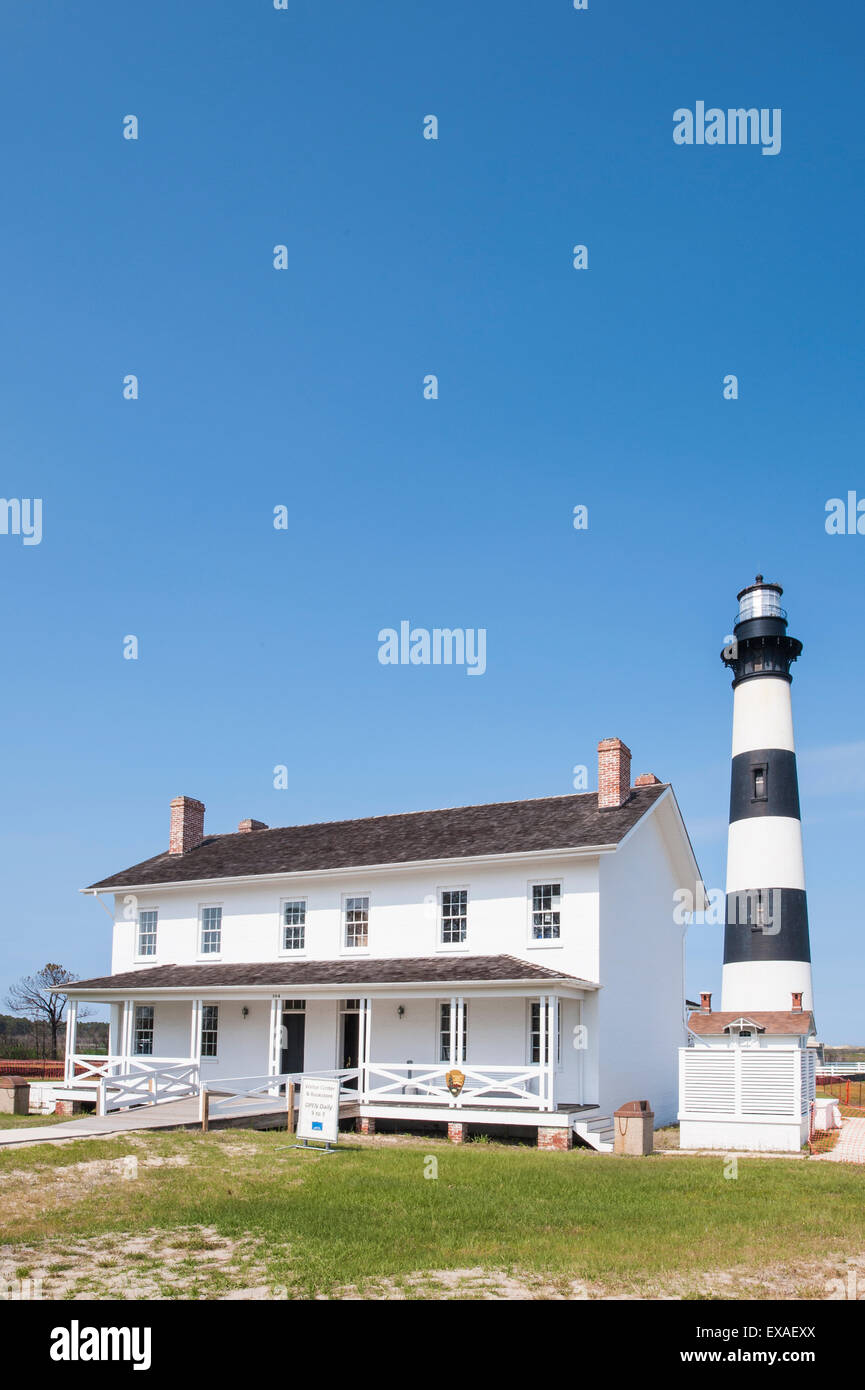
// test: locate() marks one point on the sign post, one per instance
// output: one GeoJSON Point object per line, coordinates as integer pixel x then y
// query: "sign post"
{"type": "Point", "coordinates": [318, 1113]}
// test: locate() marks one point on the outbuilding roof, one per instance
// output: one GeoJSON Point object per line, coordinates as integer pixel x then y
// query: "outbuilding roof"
{"type": "Point", "coordinates": [799, 1023]}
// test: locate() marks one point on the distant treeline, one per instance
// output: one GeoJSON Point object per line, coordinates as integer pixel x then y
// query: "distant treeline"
{"type": "Point", "coordinates": [24, 1038]}
{"type": "Point", "coordinates": [837, 1056]}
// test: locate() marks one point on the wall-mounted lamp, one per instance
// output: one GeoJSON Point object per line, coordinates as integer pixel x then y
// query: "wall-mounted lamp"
{"type": "Point", "coordinates": [245, 1011]}
{"type": "Point", "coordinates": [400, 1012]}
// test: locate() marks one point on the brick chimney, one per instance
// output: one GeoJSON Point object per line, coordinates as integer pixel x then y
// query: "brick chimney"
{"type": "Point", "coordinates": [705, 1002]}
{"type": "Point", "coordinates": [614, 773]}
{"type": "Point", "coordinates": [246, 825]}
{"type": "Point", "coordinates": [797, 1002]}
{"type": "Point", "coordinates": [647, 779]}
{"type": "Point", "coordinates": [187, 824]}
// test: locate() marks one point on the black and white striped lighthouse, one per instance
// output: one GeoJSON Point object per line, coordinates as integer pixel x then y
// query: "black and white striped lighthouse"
{"type": "Point", "coordinates": [767, 955]}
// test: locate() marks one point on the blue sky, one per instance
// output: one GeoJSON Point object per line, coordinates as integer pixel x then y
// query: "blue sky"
{"type": "Point", "coordinates": [304, 388]}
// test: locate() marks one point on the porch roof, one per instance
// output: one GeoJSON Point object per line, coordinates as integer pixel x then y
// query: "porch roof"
{"type": "Point", "coordinates": [354, 975]}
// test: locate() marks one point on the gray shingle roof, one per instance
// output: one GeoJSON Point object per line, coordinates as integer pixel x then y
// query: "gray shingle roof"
{"type": "Point", "coordinates": [505, 827]}
{"type": "Point", "coordinates": [350, 973]}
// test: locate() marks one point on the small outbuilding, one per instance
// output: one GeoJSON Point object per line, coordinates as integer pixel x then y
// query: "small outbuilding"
{"type": "Point", "coordinates": [747, 1080]}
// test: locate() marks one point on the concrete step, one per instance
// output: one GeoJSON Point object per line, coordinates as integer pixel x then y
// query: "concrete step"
{"type": "Point", "coordinates": [598, 1132]}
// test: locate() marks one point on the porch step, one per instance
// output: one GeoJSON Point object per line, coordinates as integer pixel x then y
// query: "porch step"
{"type": "Point", "coordinates": [598, 1132]}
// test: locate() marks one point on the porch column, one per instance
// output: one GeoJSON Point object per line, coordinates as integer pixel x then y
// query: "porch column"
{"type": "Point", "coordinates": [365, 1048]}
{"type": "Point", "coordinates": [71, 1037]}
{"type": "Point", "coordinates": [127, 1033]}
{"type": "Point", "coordinates": [461, 1037]}
{"type": "Point", "coordinates": [552, 1047]}
{"type": "Point", "coordinates": [452, 1042]}
{"type": "Point", "coordinates": [195, 1032]}
{"type": "Point", "coordinates": [275, 1057]}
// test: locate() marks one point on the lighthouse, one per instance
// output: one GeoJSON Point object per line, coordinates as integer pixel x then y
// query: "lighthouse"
{"type": "Point", "coordinates": [767, 955]}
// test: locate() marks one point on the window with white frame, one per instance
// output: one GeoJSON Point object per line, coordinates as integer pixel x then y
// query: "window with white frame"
{"type": "Point", "coordinates": [454, 915]}
{"type": "Point", "coordinates": [445, 1032]}
{"type": "Point", "coordinates": [537, 1053]}
{"type": "Point", "coordinates": [356, 914]}
{"type": "Point", "coordinates": [211, 931]}
{"type": "Point", "coordinates": [210, 1030]}
{"type": "Point", "coordinates": [546, 911]}
{"type": "Point", "coordinates": [142, 1040]}
{"type": "Point", "coordinates": [294, 925]}
{"type": "Point", "coordinates": [147, 919]}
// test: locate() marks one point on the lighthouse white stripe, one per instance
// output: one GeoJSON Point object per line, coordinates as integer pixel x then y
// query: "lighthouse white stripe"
{"type": "Point", "coordinates": [765, 984]}
{"type": "Point", "coordinates": [765, 852]}
{"type": "Point", "coordinates": [762, 715]}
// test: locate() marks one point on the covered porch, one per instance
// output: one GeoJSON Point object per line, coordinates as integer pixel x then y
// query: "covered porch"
{"type": "Point", "coordinates": [491, 1041]}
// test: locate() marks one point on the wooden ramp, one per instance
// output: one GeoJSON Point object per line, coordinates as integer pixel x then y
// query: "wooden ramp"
{"type": "Point", "coordinates": [259, 1112]}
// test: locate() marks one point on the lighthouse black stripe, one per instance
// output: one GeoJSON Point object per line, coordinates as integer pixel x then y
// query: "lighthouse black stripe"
{"type": "Point", "coordinates": [767, 924]}
{"type": "Point", "coordinates": [764, 783]}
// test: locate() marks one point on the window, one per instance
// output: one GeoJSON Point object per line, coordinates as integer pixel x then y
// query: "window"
{"type": "Point", "coordinates": [356, 922]}
{"type": "Point", "coordinates": [546, 911]}
{"type": "Point", "coordinates": [761, 779]}
{"type": "Point", "coordinates": [454, 909]}
{"type": "Point", "coordinates": [209, 1030]}
{"type": "Point", "coordinates": [211, 931]}
{"type": "Point", "coordinates": [294, 925]}
{"type": "Point", "coordinates": [293, 1005]}
{"type": "Point", "coordinates": [535, 1035]}
{"type": "Point", "coordinates": [445, 1032]}
{"type": "Point", "coordinates": [142, 1042]}
{"type": "Point", "coordinates": [147, 932]}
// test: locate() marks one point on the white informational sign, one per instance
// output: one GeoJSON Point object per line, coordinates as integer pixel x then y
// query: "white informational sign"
{"type": "Point", "coordinates": [318, 1116]}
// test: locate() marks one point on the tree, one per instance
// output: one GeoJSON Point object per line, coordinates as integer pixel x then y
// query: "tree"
{"type": "Point", "coordinates": [32, 998]}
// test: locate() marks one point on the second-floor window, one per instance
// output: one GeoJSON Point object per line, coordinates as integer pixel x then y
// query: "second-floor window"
{"type": "Point", "coordinates": [546, 911]}
{"type": "Point", "coordinates": [211, 931]}
{"type": "Point", "coordinates": [142, 1041]}
{"type": "Point", "coordinates": [294, 925]}
{"type": "Point", "coordinates": [210, 1030]}
{"type": "Point", "coordinates": [454, 915]}
{"type": "Point", "coordinates": [147, 920]}
{"type": "Point", "coordinates": [356, 921]}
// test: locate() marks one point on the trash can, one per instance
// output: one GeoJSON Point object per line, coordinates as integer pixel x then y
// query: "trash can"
{"type": "Point", "coordinates": [634, 1128]}
{"type": "Point", "coordinates": [14, 1095]}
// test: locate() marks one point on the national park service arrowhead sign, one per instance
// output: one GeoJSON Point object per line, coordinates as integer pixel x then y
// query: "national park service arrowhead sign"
{"type": "Point", "coordinates": [455, 1080]}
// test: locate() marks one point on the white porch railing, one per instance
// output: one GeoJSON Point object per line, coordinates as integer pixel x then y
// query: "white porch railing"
{"type": "Point", "coordinates": [222, 1092]}
{"type": "Point", "coordinates": [525, 1087]}
{"type": "Point", "coordinates": [92, 1066]}
{"type": "Point", "coordinates": [146, 1084]}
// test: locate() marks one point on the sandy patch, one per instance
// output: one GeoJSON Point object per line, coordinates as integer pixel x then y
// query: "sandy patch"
{"type": "Point", "coordinates": [191, 1263]}
{"type": "Point", "coordinates": [834, 1279]}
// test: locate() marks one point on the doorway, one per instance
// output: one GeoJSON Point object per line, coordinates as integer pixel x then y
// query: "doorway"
{"type": "Point", "coordinates": [293, 1038]}
{"type": "Point", "coordinates": [349, 1047]}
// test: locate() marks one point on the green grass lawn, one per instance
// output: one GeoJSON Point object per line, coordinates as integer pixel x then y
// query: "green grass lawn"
{"type": "Point", "coordinates": [28, 1121]}
{"type": "Point", "coordinates": [232, 1211]}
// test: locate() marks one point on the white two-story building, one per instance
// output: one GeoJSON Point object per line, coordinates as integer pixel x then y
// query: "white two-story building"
{"type": "Point", "coordinates": [515, 964]}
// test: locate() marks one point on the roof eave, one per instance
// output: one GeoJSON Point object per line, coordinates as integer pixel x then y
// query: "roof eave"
{"type": "Point", "coordinates": [352, 870]}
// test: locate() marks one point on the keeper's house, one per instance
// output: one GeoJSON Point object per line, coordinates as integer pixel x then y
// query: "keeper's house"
{"type": "Point", "coordinates": [529, 947]}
